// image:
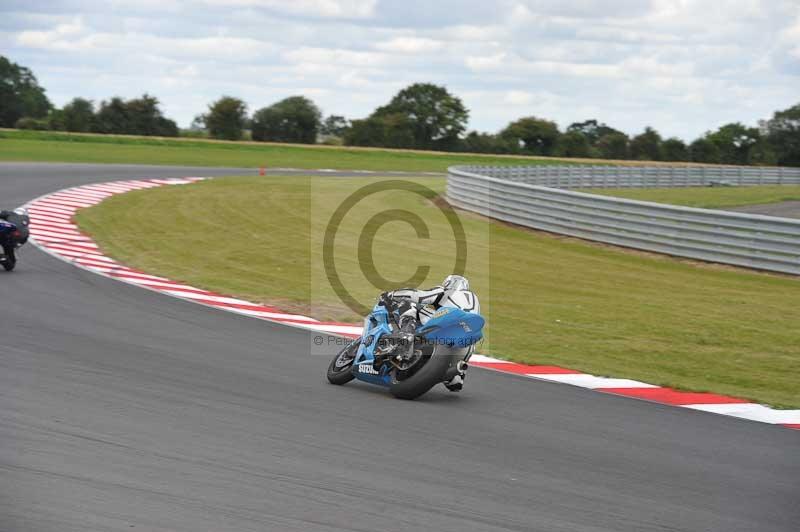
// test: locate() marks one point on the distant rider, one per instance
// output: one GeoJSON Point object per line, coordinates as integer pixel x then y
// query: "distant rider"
{"type": "Point", "coordinates": [10, 244]}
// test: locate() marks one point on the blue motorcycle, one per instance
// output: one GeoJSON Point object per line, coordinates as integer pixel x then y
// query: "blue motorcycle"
{"type": "Point", "coordinates": [410, 363]}
{"type": "Point", "coordinates": [14, 233]}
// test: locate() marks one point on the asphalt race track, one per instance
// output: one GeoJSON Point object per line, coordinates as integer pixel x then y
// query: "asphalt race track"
{"type": "Point", "coordinates": [785, 209]}
{"type": "Point", "coordinates": [123, 409]}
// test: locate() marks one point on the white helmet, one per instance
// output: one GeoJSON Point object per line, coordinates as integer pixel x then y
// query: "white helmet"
{"type": "Point", "coordinates": [453, 283]}
{"type": "Point", "coordinates": [459, 295]}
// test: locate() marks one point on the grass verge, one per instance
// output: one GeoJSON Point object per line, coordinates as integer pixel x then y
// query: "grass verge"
{"type": "Point", "coordinates": [48, 146]}
{"type": "Point", "coordinates": [707, 197]}
{"type": "Point", "coordinates": [548, 300]}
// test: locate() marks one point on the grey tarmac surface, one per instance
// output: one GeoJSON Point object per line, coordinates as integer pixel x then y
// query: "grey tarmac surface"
{"type": "Point", "coordinates": [123, 409]}
{"type": "Point", "coordinates": [784, 209]}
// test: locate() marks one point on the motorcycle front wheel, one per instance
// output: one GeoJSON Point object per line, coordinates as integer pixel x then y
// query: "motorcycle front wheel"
{"type": "Point", "coordinates": [7, 262]}
{"type": "Point", "coordinates": [340, 370]}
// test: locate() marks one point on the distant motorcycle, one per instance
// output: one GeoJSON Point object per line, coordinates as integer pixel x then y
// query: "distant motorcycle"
{"type": "Point", "coordinates": [14, 232]}
{"type": "Point", "coordinates": [409, 361]}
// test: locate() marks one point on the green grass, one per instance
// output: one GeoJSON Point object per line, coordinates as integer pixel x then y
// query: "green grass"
{"type": "Point", "coordinates": [547, 300]}
{"type": "Point", "coordinates": [707, 197]}
{"type": "Point", "coordinates": [46, 146]}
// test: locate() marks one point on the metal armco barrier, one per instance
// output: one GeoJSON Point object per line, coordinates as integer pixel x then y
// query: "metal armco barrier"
{"type": "Point", "coordinates": [533, 197]}
{"type": "Point", "coordinates": [640, 176]}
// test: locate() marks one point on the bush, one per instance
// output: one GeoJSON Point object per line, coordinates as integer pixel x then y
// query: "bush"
{"type": "Point", "coordinates": [295, 119]}
{"type": "Point", "coordinates": [434, 117]}
{"type": "Point", "coordinates": [37, 124]}
{"type": "Point", "coordinates": [613, 146]}
{"type": "Point", "coordinates": [139, 116]}
{"type": "Point", "coordinates": [674, 149]}
{"type": "Point", "coordinates": [535, 135]}
{"type": "Point", "coordinates": [331, 140]}
{"type": "Point", "coordinates": [646, 146]}
{"type": "Point", "coordinates": [572, 144]}
{"type": "Point", "coordinates": [703, 150]}
{"type": "Point", "coordinates": [477, 142]}
{"type": "Point", "coordinates": [78, 115]}
{"type": "Point", "coordinates": [225, 119]}
{"type": "Point", "coordinates": [387, 131]}
{"type": "Point", "coordinates": [56, 121]}
{"type": "Point", "coordinates": [21, 96]}
{"type": "Point", "coordinates": [193, 133]}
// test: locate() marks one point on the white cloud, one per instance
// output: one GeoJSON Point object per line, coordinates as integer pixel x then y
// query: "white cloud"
{"type": "Point", "coordinates": [311, 8]}
{"type": "Point", "coordinates": [75, 37]}
{"type": "Point", "coordinates": [486, 62]}
{"type": "Point", "coordinates": [237, 48]}
{"type": "Point", "coordinates": [627, 35]}
{"type": "Point", "coordinates": [584, 70]}
{"type": "Point", "coordinates": [188, 71]}
{"type": "Point", "coordinates": [465, 32]}
{"type": "Point", "coordinates": [172, 6]}
{"type": "Point", "coordinates": [333, 57]}
{"type": "Point", "coordinates": [518, 98]}
{"type": "Point", "coordinates": [682, 66]}
{"type": "Point", "coordinates": [51, 38]}
{"type": "Point", "coordinates": [650, 66]}
{"type": "Point", "coordinates": [791, 38]}
{"type": "Point", "coordinates": [503, 62]}
{"type": "Point", "coordinates": [584, 8]}
{"type": "Point", "coordinates": [410, 45]}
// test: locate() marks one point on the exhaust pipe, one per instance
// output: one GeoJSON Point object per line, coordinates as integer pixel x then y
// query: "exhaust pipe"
{"type": "Point", "coordinates": [460, 368]}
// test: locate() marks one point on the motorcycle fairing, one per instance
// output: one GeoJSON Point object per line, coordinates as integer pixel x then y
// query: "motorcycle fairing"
{"type": "Point", "coordinates": [453, 327]}
{"type": "Point", "coordinates": [375, 326]}
{"type": "Point", "coordinates": [7, 227]}
{"type": "Point", "coordinates": [449, 326]}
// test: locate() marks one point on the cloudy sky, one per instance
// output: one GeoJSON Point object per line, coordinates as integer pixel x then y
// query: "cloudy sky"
{"type": "Point", "coordinates": [682, 66]}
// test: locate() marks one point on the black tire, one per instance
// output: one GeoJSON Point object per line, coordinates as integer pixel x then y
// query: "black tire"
{"type": "Point", "coordinates": [429, 375]}
{"type": "Point", "coordinates": [339, 374]}
{"type": "Point", "coordinates": [9, 259]}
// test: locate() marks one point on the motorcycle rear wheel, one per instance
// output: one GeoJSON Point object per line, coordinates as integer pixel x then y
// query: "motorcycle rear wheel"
{"type": "Point", "coordinates": [429, 375]}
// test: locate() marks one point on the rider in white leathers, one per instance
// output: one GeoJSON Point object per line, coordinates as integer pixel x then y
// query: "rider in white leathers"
{"type": "Point", "coordinates": [418, 306]}
{"type": "Point", "coordinates": [421, 304]}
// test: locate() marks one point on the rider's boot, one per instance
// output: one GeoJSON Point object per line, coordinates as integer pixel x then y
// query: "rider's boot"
{"type": "Point", "coordinates": [455, 384]}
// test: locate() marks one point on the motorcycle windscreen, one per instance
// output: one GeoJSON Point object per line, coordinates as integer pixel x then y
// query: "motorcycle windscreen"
{"type": "Point", "coordinates": [21, 221]}
{"type": "Point", "coordinates": [453, 327]}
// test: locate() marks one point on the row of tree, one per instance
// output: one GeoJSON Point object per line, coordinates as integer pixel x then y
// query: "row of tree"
{"type": "Point", "coordinates": [421, 116]}
{"type": "Point", "coordinates": [24, 104]}
{"type": "Point", "coordinates": [425, 116]}
{"type": "Point", "coordinates": [730, 144]}
{"type": "Point", "coordinates": [296, 119]}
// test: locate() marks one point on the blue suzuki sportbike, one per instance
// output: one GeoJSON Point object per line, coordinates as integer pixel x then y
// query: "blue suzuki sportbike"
{"type": "Point", "coordinates": [410, 363]}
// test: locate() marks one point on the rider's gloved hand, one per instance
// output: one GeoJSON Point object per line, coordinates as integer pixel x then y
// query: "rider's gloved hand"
{"type": "Point", "coordinates": [385, 299]}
